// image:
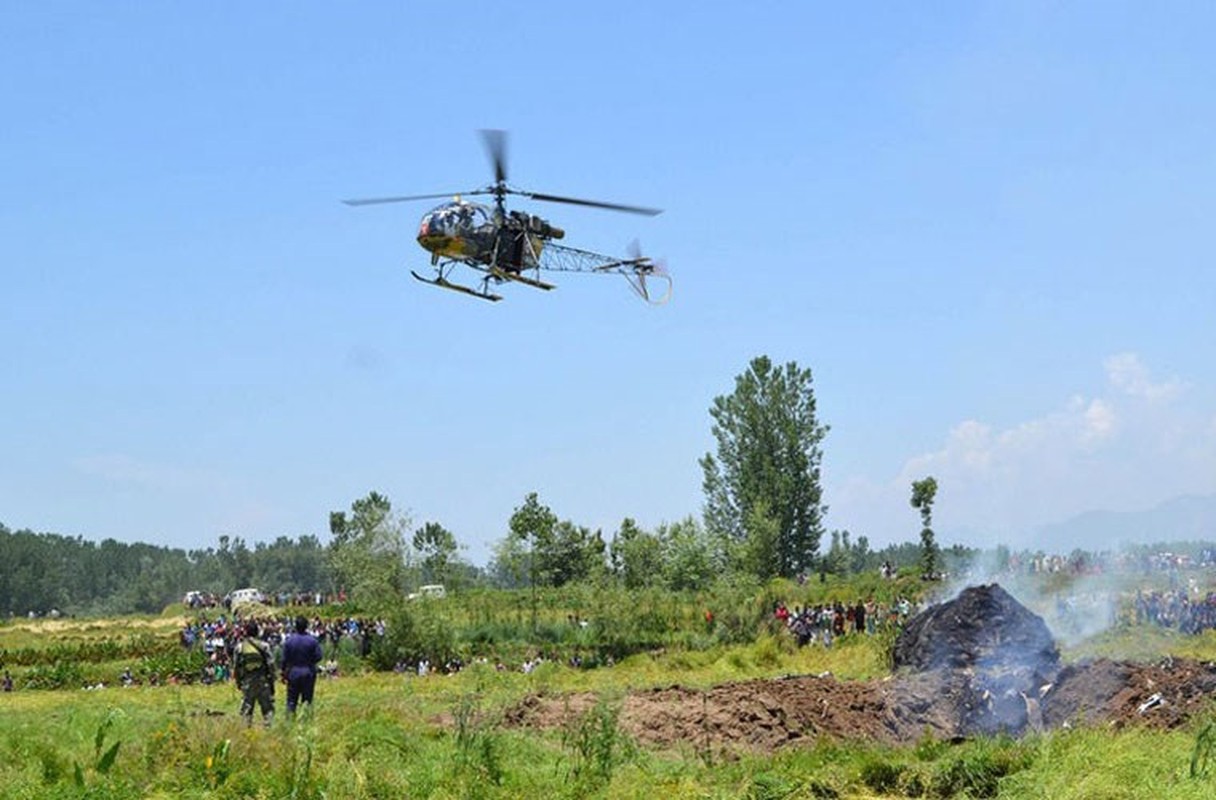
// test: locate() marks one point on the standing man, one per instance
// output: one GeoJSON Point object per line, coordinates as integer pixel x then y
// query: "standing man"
{"type": "Point", "coordinates": [301, 654]}
{"type": "Point", "coordinates": [254, 675]}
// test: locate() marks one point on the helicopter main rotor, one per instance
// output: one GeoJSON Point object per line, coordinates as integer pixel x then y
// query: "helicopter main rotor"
{"type": "Point", "coordinates": [495, 142]}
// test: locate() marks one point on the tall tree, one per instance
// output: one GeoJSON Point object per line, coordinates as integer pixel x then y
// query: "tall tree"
{"type": "Point", "coordinates": [367, 553]}
{"type": "Point", "coordinates": [768, 458]}
{"type": "Point", "coordinates": [532, 525]}
{"type": "Point", "coordinates": [438, 548]}
{"type": "Point", "coordinates": [637, 556]}
{"type": "Point", "coordinates": [923, 493]}
{"type": "Point", "coordinates": [761, 551]}
{"type": "Point", "coordinates": [575, 554]}
{"type": "Point", "coordinates": [692, 558]}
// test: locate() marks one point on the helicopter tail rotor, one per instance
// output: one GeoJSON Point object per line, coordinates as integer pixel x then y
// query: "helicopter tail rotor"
{"type": "Point", "coordinates": [643, 268]}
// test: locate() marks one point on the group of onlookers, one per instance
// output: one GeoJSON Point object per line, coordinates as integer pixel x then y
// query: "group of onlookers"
{"type": "Point", "coordinates": [282, 599]}
{"type": "Point", "coordinates": [221, 637]}
{"type": "Point", "coordinates": [826, 622]}
{"type": "Point", "coordinates": [1177, 609]}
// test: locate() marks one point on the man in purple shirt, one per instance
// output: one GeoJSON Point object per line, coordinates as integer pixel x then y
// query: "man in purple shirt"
{"type": "Point", "coordinates": [301, 654]}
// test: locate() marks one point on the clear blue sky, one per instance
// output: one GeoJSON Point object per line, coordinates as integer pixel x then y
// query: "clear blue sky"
{"type": "Point", "coordinates": [985, 227]}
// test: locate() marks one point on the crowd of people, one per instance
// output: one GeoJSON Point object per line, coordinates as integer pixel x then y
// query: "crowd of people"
{"type": "Point", "coordinates": [1107, 562]}
{"type": "Point", "coordinates": [281, 599]}
{"type": "Point", "coordinates": [1177, 609]}
{"type": "Point", "coordinates": [221, 637]}
{"type": "Point", "coordinates": [825, 622]}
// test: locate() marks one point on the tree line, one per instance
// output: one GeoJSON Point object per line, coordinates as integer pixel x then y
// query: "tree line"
{"type": "Point", "coordinates": [763, 516]}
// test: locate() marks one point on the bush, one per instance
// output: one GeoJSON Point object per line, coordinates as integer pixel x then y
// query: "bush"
{"type": "Point", "coordinates": [597, 745]}
{"type": "Point", "coordinates": [415, 632]}
{"type": "Point", "coordinates": [881, 776]}
{"type": "Point", "coordinates": [60, 675]}
{"type": "Point", "coordinates": [978, 773]}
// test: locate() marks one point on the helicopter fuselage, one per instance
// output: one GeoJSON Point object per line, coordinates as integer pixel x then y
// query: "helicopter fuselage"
{"type": "Point", "coordinates": [471, 232]}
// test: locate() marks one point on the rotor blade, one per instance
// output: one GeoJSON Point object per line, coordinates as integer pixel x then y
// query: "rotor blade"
{"type": "Point", "coordinates": [496, 145]}
{"type": "Point", "coordinates": [368, 201]}
{"type": "Point", "coordinates": [553, 198]}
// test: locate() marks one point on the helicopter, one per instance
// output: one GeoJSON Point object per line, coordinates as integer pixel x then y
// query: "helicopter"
{"type": "Point", "coordinates": [508, 246]}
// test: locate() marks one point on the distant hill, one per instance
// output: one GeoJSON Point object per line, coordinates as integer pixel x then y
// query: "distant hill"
{"type": "Point", "coordinates": [1185, 518]}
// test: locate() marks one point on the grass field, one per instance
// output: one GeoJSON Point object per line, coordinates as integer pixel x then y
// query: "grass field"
{"type": "Point", "coordinates": [387, 735]}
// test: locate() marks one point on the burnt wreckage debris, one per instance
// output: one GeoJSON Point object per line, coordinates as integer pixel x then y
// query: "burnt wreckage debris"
{"type": "Point", "coordinates": [993, 660]}
{"type": "Point", "coordinates": [984, 627]}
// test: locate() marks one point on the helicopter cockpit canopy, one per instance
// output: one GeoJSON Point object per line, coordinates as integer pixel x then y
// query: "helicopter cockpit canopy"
{"type": "Point", "coordinates": [454, 218]}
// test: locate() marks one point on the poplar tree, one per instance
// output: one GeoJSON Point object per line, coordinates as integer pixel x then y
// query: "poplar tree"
{"type": "Point", "coordinates": [923, 494]}
{"type": "Point", "coordinates": [766, 467]}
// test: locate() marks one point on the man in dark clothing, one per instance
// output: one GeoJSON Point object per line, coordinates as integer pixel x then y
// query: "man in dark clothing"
{"type": "Point", "coordinates": [301, 654]}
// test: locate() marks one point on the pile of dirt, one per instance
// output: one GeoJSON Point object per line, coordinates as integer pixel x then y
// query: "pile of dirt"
{"type": "Point", "coordinates": [1162, 695]}
{"type": "Point", "coordinates": [981, 664]}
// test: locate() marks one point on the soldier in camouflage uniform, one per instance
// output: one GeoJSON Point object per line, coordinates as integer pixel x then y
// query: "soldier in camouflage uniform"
{"type": "Point", "coordinates": [254, 675]}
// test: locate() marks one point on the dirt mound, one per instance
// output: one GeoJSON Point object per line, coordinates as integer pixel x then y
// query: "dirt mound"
{"type": "Point", "coordinates": [1162, 695]}
{"type": "Point", "coordinates": [761, 714]}
{"type": "Point", "coordinates": [979, 664]}
{"type": "Point", "coordinates": [764, 715]}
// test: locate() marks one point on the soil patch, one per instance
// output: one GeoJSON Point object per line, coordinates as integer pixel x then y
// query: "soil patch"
{"type": "Point", "coordinates": [982, 665]}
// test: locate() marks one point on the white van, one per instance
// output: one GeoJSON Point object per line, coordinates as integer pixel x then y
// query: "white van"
{"type": "Point", "coordinates": [246, 596]}
{"type": "Point", "coordinates": [434, 591]}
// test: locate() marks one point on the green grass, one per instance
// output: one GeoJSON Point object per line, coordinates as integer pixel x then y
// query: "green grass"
{"type": "Point", "coordinates": [384, 735]}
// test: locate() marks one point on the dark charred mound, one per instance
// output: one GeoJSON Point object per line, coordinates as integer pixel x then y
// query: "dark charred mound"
{"type": "Point", "coordinates": [990, 655]}
{"type": "Point", "coordinates": [984, 628]}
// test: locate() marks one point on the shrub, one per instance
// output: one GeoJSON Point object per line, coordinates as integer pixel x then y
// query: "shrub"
{"type": "Point", "coordinates": [414, 633]}
{"type": "Point", "coordinates": [978, 772]}
{"type": "Point", "coordinates": [597, 745]}
{"type": "Point", "coordinates": [60, 675]}
{"type": "Point", "coordinates": [881, 776]}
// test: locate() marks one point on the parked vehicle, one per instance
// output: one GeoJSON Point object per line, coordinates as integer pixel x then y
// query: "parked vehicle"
{"type": "Point", "coordinates": [249, 595]}
{"type": "Point", "coordinates": [434, 591]}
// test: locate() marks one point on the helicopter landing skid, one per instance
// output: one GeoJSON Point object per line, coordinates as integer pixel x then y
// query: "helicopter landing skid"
{"type": "Point", "coordinates": [444, 283]}
{"type": "Point", "coordinates": [505, 275]}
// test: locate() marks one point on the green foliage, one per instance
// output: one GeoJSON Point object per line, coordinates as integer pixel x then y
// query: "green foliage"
{"type": "Point", "coordinates": [41, 572]}
{"type": "Point", "coordinates": [761, 549]}
{"type": "Point", "coordinates": [177, 663]}
{"type": "Point", "coordinates": [367, 554]}
{"type": "Point", "coordinates": [881, 775]}
{"type": "Point", "coordinates": [415, 631]}
{"type": "Point", "coordinates": [978, 771]}
{"type": "Point", "coordinates": [438, 548]}
{"type": "Point", "coordinates": [768, 456]}
{"type": "Point", "coordinates": [102, 761]}
{"type": "Point", "coordinates": [299, 776]}
{"type": "Point", "coordinates": [478, 747]}
{"type": "Point", "coordinates": [596, 745]}
{"type": "Point", "coordinates": [771, 786]}
{"type": "Point", "coordinates": [739, 609]}
{"type": "Point", "coordinates": [386, 735]}
{"type": "Point", "coordinates": [218, 767]}
{"type": "Point", "coordinates": [1205, 749]}
{"type": "Point", "coordinates": [57, 675]}
{"type": "Point", "coordinates": [636, 556]}
{"type": "Point", "coordinates": [548, 552]}
{"type": "Point", "coordinates": [923, 493]}
{"type": "Point", "coordinates": [692, 557]}
{"type": "Point", "coordinates": [91, 650]}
